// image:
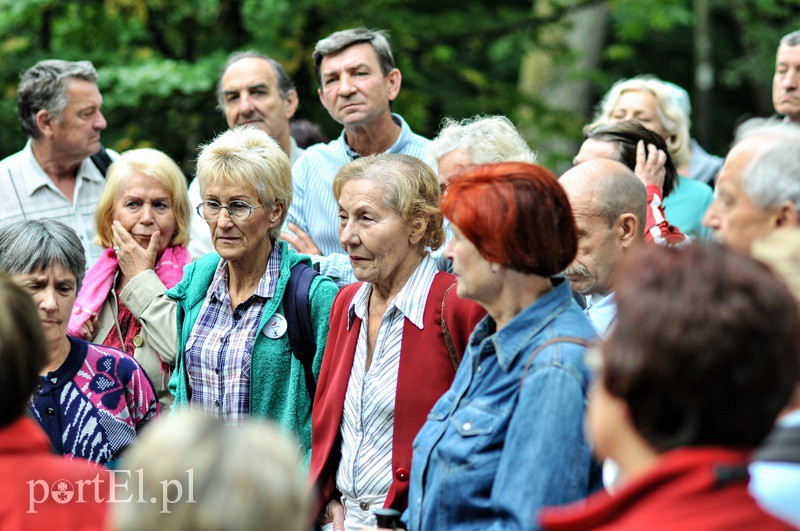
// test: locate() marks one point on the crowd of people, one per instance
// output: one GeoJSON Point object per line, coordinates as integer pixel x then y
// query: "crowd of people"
{"type": "Point", "coordinates": [389, 331]}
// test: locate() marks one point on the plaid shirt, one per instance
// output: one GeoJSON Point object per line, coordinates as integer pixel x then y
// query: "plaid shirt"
{"type": "Point", "coordinates": [221, 343]}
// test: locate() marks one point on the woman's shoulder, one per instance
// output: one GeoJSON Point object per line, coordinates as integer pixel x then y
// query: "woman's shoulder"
{"type": "Point", "coordinates": [111, 360]}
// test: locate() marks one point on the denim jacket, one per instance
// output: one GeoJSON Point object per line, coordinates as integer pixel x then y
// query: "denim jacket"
{"type": "Point", "coordinates": [495, 449]}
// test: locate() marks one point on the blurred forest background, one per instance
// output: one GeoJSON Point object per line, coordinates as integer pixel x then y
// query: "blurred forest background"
{"type": "Point", "coordinates": [544, 63]}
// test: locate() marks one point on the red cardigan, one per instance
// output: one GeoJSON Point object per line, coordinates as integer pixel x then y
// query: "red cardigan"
{"type": "Point", "coordinates": [689, 488]}
{"type": "Point", "coordinates": [425, 373]}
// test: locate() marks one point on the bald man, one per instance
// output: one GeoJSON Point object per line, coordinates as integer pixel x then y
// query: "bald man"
{"type": "Point", "coordinates": [758, 188]}
{"type": "Point", "coordinates": [609, 204]}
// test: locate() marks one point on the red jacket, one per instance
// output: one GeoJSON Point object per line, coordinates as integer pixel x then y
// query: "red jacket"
{"type": "Point", "coordinates": [690, 488]}
{"type": "Point", "coordinates": [426, 372]}
{"type": "Point", "coordinates": [40, 490]}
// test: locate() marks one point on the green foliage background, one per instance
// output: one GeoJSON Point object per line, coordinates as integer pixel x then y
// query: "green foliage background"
{"type": "Point", "coordinates": [159, 60]}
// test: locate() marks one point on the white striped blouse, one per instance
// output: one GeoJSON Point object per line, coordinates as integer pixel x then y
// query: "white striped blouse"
{"type": "Point", "coordinates": [368, 418]}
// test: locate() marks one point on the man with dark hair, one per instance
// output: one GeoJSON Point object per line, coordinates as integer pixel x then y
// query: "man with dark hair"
{"type": "Point", "coordinates": [608, 203]}
{"type": "Point", "coordinates": [254, 89]}
{"type": "Point", "coordinates": [358, 81]}
{"type": "Point", "coordinates": [58, 105]}
{"type": "Point", "coordinates": [786, 82]}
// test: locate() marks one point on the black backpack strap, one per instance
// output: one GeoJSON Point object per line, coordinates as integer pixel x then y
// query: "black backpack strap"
{"type": "Point", "coordinates": [297, 310]}
{"type": "Point", "coordinates": [781, 445]}
{"type": "Point", "coordinates": [102, 160]}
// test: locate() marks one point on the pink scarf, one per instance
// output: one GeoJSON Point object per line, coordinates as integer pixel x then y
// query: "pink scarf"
{"type": "Point", "coordinates": [99, 282]}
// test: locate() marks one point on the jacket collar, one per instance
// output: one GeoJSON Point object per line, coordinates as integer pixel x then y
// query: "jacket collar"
{"type": "Point", "coordinates": [518, 333]}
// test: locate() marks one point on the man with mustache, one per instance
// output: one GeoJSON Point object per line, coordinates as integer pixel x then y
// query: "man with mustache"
{"type": "Point", "coordinates": [609, 204]}
{"type": "Point", "coordinates": [786, 82]}
{"type": "Point", "coordinates": [254, 89]}
{"type": "Point", "coordinates": [55, 175]}
{"type": "Point", "coordinates": [358, 81]}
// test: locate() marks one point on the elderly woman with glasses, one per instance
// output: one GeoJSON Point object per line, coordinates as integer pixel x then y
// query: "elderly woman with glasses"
{"type": "Point", "coordinates": [234, 351]}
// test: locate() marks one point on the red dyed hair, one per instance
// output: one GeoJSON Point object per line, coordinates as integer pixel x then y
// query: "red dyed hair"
{"type": "Point", "coordinates": [516, 214]}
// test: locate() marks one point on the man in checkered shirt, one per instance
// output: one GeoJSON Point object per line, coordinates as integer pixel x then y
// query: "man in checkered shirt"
{"type": "Point", "coordinates": [53, 176]}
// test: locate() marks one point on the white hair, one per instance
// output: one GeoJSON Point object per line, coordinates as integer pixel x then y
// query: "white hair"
{"type": "Point", "coordinates": [487, 139]}
{"type": "Point", "coordinates": [773, 176]}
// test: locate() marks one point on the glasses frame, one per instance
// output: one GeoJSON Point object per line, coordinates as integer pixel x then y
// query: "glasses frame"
{"type": "Point", "coordinates": [200, 207]}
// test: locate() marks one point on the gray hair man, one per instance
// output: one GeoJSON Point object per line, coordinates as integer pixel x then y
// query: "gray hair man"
{"type": "Point", "coordinates": [358, 81]}
{"type": "Point", "coordinates": [54, 176]}
{"type": "Point", "coordinates": [609, 204]}
{"type": "Point", "coordinates": [758, 189]}
{"type": "Point", "coordinates": [253, 89]}
{"type": "Point", "coordinates": [786, 82]}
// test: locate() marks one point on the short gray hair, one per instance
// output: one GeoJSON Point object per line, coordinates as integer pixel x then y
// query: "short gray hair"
{"type": "Point", "coordinates": [44, 86]}
{"type": "Point", "coordinates": [791, 39]}
{"type": "Point", "coordinates": [773, 175]}
{"type": "Point", "coordinates": [285, 83]}
{"type": "Point", "coordinates": [487, 139]}
{"type": "Point", "coordinates": [246, 156]}
{"type": "Point", "coordinates": [336, 42]}
{"type": "Point", "coordinates": [38, 244]}
{"type": "Point", "coordinates": [624, 193]}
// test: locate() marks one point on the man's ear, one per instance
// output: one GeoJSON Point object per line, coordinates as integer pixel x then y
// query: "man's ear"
{"type": "Point", "coordinates": [44, 121]}
{"type": "Point", "coordinates": [626, 228]}
{"type": "Point", "coordinates": [292, 101]}
{"type": "Point", "coordinates": [787, 217]}
{"type": "Point", "coordinates": [394, 79]}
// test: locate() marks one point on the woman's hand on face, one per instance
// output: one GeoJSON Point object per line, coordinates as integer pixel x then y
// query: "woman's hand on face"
{"type": "Point", "coordinates": [89, 328]}
{"type": "Point", "coordinates": [131, 257]}
{"type": "Point", "coordinates": [650, 162]}
{"type": "Point", "coordinates": [334, 513]}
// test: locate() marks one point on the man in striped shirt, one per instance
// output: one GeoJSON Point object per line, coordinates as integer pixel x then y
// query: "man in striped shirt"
{"type": "Point", "coordinates": [58, 105]}
{"type": "Point", "coordinates": [358, 81]}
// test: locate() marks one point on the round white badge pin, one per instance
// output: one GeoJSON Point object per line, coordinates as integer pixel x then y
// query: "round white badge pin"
{"type": "Point", "coordinates": [276, 326]}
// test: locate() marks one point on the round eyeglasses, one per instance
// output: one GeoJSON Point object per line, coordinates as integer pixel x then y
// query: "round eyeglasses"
{"type": "Point", "coordinates": [237, 210]}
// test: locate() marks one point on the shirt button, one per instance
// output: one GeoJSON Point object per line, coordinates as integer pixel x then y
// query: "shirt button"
{"type": "Point", "coordinates": [50, 411]}
{"type": "Point", "coordinates": [216, 403]}
{"type": "Point", "coordinates": [137, 341]}
{"type": "Point", "coordinates": [364, 506]}
{"type": "Point", "coordinates": [216, 371]}
{"type": "Point", "coordinates": [467, 426]}
{"type": "Point", "coordinates": [401, 474]}
{"type": "Point", "coordinates": [479, 369]}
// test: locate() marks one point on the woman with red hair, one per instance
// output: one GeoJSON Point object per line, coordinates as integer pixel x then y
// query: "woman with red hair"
{"type": "Point", "coordinates": [507, 438]}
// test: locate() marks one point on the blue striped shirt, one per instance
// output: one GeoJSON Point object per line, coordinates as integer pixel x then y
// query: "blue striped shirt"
{"type": "Point", "coordinates": [314, 208]}
{"type": "Point", "coordinates": [368, 417]}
